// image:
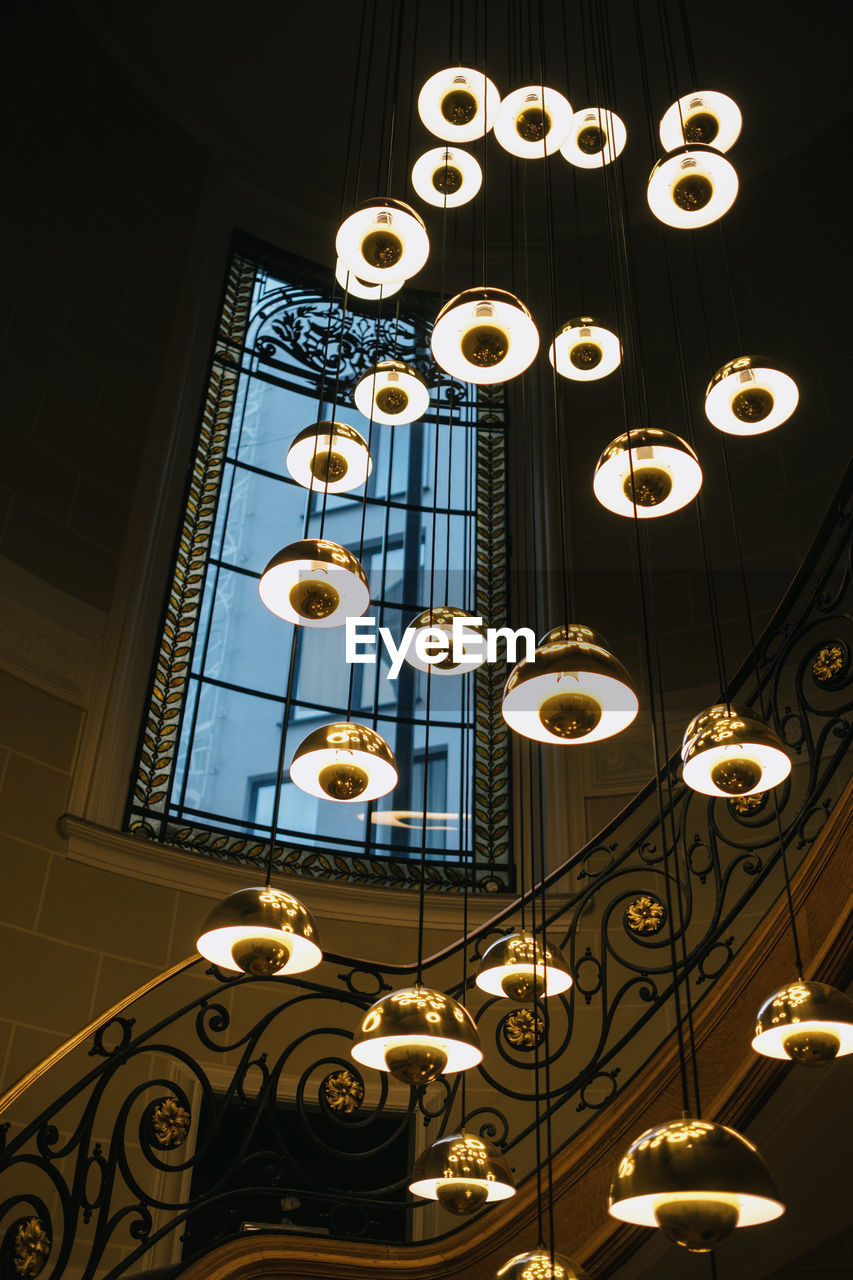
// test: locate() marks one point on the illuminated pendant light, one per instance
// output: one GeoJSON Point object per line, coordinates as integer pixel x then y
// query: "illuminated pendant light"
{"type": "Point", "coordinates": [596, 138]}
{"type": "Point", "coordinates": [727, 751]}
{"type": "Point", "coordinates": [532, 126]}
{"type": "Point", "coordinates": [584, 351]}
{"type": "Point", "coordinates": [692, 187]}
{"type": "Point", "coordinates": [330, 457]}
{"type": "Point", "coordinates": [647, 473]}
{"type": "Point", "coordinates": [462, 1173]}
{"type": "Point", "coordinates": [805, 1022]}
{"type": "Point", "coordinates": [458, 104]}
{"type": "Point", "coordinates": [314, 583]}
{"type": "Point", "coordinates": [345, 762]}
{"type": "Point", "coordinates": [574, 691]}
{"type": "Point", "coordinates": [417, 1034]}
{"type": "Point", "coordinates": [447, 178]}
{"type": "Point", "coordinates": [696, 1181]}
{"type": "Point", "coordinates": [709, 117]}
{"type": "Point", "coordinates": [391, 392]}
{"type": "Point", "coordinates": [521, 968]}
{"type": "Point", "coordinates": [537, 1265]}
{"type": "Point", "coordinates": [748, 396]}
{"type": "Point", "coordinates": [384, 241]}
{"type": "Point", "coordinates": [484, 336]}
{"type": "Point", "coordinates": [440, 620]}
{"type": "Point", "coordinates": [260, 931]}
{"type": "Point", "coordinates": [360, 288]}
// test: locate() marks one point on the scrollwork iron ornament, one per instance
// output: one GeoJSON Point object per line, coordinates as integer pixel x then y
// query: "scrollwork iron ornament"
{"type": "Point", "coordinates": [645, 916]}
{"type": "Point", "coordinates": [522, 1029]}
{"type": "Point", "coordinates": [830, 663]}
{"type": "Point", "coordinates": [166, 1123]}
{"type": "Point", "coordinates": [27, 1245]}
{"type": "Point", "coordinates": [342, 1091]}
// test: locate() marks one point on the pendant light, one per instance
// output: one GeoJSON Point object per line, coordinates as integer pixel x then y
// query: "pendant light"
{"type": "Point", "coordinates": [356, 288]}
{"type": "Point", "coordinates": [647, 473]}
{"type": "Point", "coordinates": [727, 751]}
{"type": "Point", "coordinates": [596, 137]}
{"type": "Point", "coordinates": [447, 178]}
{"type": "Point", "coordinates": [696, 1181]}
{"type": "Point", "coordinates": [391, 392]}
{"type": "Point", "coordinates": [458, 104]}
{"type": "Point", "coordinates": [541, 1264]}
{"type": "Point", "coordinates": [385, 240]}
{"type": "Point", "coordinates": [748, 396]}
{"type": "Point", "coordinates": [314, 583]}
{"type": "Point", "coordinates": [260, 931]}
{"type": "Point", "coordinates": [329, 457]}
{"type": "Point", "coordinates": [462, 1172]}
{"type": "Point", "coordinates": [692, 187]}
{"type": "Point", "coordinates": [484, 336]}
{"type": "Point", "coordinates": [521, 968]}
{"type": "Point", "coordinates": [439, 619]}
{"type": "Point", "coordinates": [709, 117]}
{"type": "Point", "coordinates": [349, 763]}
{"type": "Point", "coordinates": [805, 1022]}
{"type": "Point", "coordinates": [574, 691]}
{"type": "Point", "coordinates": [585, 351]}
{"type": "Point", "coordinates": [533, 122]}
{"type": "Point", "coordinates": [417, 1034]}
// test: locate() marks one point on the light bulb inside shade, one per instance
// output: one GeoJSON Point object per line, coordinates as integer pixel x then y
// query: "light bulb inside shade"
{"type": "Point", "coordinates": [458, 104]}
{"type": "Point", "coordinates": [807, 1022]}
{"type": "Point", "coordinates": [585, 351]}
{"type": "Point", "coordinates": [356, 288]}
{"type": "Point", "coordinates": [447, 177]}
{"type": "Point", "coordinates": [747, 397]}
{"type": "Point", "coordinates": [462, 1172]}
{"type": "Point", "coordinates": [484, 336]}
{"type": "Point", "coordinates": [261, 931]}
{"type": "Point", "coordinates": [439, 620]}
{"type": "Point", "coordinates": [727, 751]}
{"type": "Point", "coordinates": [345, 762]}
{"type": "Point", "coordinates": [574, 691]}
{"type": "Point", "coordinates": [692, 187]}
{"type": "Point", "coordinates": [596, 137]}
{"type": "Point", "coordinates": [392, 393]}
{"type": "Point", "coordinates": [706, 117]}
{"type": "Point", "coordinates": [329, 457]}
{"type": "Point", "coordinates": [314, 583]}
{"type": "Point", "coordinates": [519, 966]}
{"type": "Point", "coordinates": [530, 125]}
{"type": "Point", "coordinates": [385, 240]}
{"type": "Point", "coordinates": [647, 473]}
{"type": "Point", "coordinates": [417, 1034]}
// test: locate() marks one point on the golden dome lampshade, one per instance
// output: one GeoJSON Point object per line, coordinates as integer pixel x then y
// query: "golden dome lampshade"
{"type": "Point", "coordinates": [596, 137]}
{"type": "Point", "coordinates": [692, 187]}
{"type": "Point", "coordinates": [533, 122]}
{"type": "Point", "coordinates": [439, 619]}
{"type": "Point", "coordinates": [522, 968]}
{"type": "Point", "coordinates": [349, 763]}
{"type": "Point", "coordinates": [647, 473]}
{"type": "Point", "coordinates": [463, 1173]}
{"type": "Point", "coordinates": [695, 1180]}
{"type": "Point", "coordinates": [391, 392]}
{"type": "Point", "coordinates": [447, 177]}
{"type": "Point", "coordinates": [727, 751]}
{"type": "Point", "coordinates": [329, 457]}
{"type": "Point", "coordinates": [747, 397]}
{"type": "Point", "coordinates": [261, 931]}
{"type": "Point", "coordinates": [584, 350]}
{"type": "Point", "coordinates": [541, 1264]}
{"type": "Point", "coordinates": [806, 1022]}
{"type": "Point", "coordinates": [458, 104]}
{"type": "Point", "coordinates": [383, 241]}
{"type": "Point", "coordinates": [484, 336]}
{"type": "Point", "coordinates": [360, 288]}
{"type": "Point", "coordinates": [574, 691]}
{"type": "Point", "coordinates": [707, 116]}
{"type": "Point", "coordinates": [314, 583]}
{"type": "Point", "coordinates": [417, 1034]}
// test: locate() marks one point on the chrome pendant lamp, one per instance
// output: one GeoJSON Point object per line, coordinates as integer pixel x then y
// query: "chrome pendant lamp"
{"type": "Point", "coordinates": [728, 751]}
{"type": "Point", "coordinates": [524, 969]}
{"type": "Point", "coordinates": [447, 177]}
{"type": "Point", "coordinates": [330, 457]}
{"type": "Point", "coordinates": [484, 336]}
{"type": "Point", "coordinates": [596, 137]}
{"type": "Point", "coordinates": [646, 474]}
{"type": "Point", "coordinates": [708, 116]}
{"type": "Point", "coordinates": [541, 1264]}
{"type": "Point", "coordinates": [809, 1023]}
{"type": "Point", "coordinates": [346, 762]}
{"type": "Point", "coordinates": [436, 627]}
{"type": "Point", "coordinates": [356, 288]}
{"type": "Point", "coordinates": [261, 931]}
{"type": "Point", "coordinates": [748, 396]}
{"type": "Point", "coordinates": [533, 122]}
{"type": "Point", "coordinates": [314, 583]}
{"type": "Point", "coordinates": [463, 1173]}
{"type": "Point", "coordinates": [458, 104]}
{"type": "Point", "coordinates": [391, 392]}
{"type": "Point", "coordinates": [692, 187]}
{"type": "Point", "coordinates": [584, 350]}
{"type": "Point", "coordinates": [383, 242]}
{"type": "Point", "coordinates": [417, 1034]}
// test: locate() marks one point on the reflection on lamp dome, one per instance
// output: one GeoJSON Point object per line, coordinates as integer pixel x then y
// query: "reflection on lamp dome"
{"type": "Point", "coordinates": [484, 336]}
{"type": "Point", "coordinates": [696, 1181]}
{"type": "Point", "coordinates": [692, 187]}
{"type": "Point", "coordinates": [345, 762]}
{"type": "Point", "coordinates": [314, 583]}
{"type": "Point", "coordinates": [532, 126]}
{"type": "Point", "coordinates": [384, 241]}
{"type": "Point", "coordinates": [360, 288]}
{"type": "Point", "coordinates": [329, 456]}
{"type": "Point", "coordinates": [541, 1264]}
{"type": "Point", "coordinates": [458, 104]}
{"type": "Point", "coordinates": [261, 931]}
{"type": "Point", "coordinates": [647, 473]}
{"type": "Point", "coordinates": [447, 177]}
{"type": "Point", "coordinates": [584, 350]}
{"type": "Point", "coordinates": [417, 1034]}
{"type": "Point", "coordinates": [805, 1022]}
{"type": "Point", "coordinates": [596, 137]}
{"type": "Point", "coordinates": [521, 967]}
{"type": "Point", "coordinates": [707, 117]}
{"type": "Point", "coordinates": [574, 691]}
{"type": "Point", "coordinates": [462, 1172]}
{"type": "Point", "coordinates": [727, 751]}
{"type": "Point", "coordinates": [391, 392]}
{"type": "Point", "coordinates": [439, 619]}
{"type": "Point", "coordinates": [748, 396]}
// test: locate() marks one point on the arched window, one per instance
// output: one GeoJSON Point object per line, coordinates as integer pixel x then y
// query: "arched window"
{"type": "Point", "coordinates": [429, 529]}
